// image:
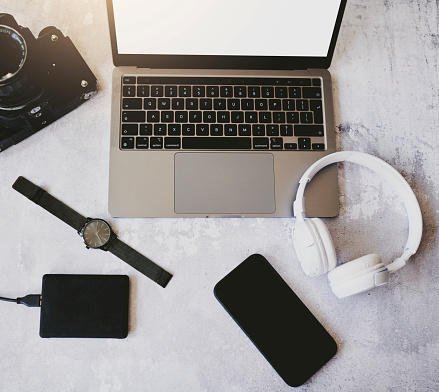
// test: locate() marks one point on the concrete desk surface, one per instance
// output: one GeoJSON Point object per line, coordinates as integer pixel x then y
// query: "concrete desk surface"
{"type": "Point", "coordinates": [386, 89]}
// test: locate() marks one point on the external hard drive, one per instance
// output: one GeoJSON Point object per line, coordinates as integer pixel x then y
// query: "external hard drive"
{"type": "Point", "coordinates": [84, 306]}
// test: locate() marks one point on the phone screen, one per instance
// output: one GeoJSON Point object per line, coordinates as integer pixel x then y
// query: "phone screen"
{"type": "Point", "coordinates": [283, 329]}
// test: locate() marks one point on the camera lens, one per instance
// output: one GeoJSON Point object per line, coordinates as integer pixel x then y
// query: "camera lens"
{"type": "Point", "coordinates": [13, 50]}
{"type": "Point", "coordinates": [17, 80]}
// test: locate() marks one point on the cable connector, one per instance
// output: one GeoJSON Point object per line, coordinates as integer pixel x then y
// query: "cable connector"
{"type": "Point", "coordinates": [31, 300]}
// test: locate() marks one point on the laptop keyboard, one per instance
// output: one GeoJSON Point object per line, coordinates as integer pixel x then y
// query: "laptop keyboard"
{"type": "Point", "coordinates": [221, 114]}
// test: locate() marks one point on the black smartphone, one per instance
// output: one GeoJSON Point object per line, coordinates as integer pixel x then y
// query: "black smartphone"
{"type": "Point", "coordinates": [283, 329]}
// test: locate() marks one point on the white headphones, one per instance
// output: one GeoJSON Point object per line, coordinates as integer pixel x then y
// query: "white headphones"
{"type": "Point", "coordinates": [313, 243]}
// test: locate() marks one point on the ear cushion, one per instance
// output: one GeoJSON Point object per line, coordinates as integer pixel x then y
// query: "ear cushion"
{"type": "Point", "coordinates": [355, 276]}
{"type": "Point", "coordinates": [314, 247]}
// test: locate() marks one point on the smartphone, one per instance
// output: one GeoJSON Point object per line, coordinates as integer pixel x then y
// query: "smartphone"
{"type": "Point", "coordinates": [278, 323]}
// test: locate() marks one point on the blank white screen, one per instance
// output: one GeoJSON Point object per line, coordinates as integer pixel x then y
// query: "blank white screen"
{"type": "Point", "coordinates": [225, 27]}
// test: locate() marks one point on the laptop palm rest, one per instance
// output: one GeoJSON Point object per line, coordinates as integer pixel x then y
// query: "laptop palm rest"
{"type": "Point", "coordinates": [224, 183]}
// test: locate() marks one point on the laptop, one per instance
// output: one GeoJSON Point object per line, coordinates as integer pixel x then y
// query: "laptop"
{"type": "Point", "coordinates": [218, 107]}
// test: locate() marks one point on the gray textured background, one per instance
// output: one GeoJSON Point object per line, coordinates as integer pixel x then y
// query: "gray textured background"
{"type": "Point", "coordinates": [385, 72]}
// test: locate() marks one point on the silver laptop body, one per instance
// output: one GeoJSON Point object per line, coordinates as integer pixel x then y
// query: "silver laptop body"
{"type": "Point", "coordinates": [254, 177]}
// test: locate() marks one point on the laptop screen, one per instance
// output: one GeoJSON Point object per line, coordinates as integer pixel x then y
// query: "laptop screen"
{"type": "Point", "coordinates": [224, 29]}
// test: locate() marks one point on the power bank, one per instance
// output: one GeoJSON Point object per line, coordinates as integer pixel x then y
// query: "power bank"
{"type": "Point", "coordinates": [84, 306]}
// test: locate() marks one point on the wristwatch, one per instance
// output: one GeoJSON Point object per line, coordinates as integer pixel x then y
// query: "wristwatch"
{"type": "Point", "coordinates": [96, 233]}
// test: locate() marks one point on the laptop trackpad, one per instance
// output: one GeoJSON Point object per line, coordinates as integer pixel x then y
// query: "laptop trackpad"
{"type": "Point", "coordinates": [224, 183]}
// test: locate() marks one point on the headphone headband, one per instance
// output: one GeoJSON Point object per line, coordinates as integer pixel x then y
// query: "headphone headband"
{"type": "Point", "coordinates": [387, 172]}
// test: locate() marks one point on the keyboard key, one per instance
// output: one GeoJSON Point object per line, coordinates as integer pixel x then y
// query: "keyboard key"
{"type": "Point", "coordinates": [171, 91]}
{"type": "Point", "coordinates": [226, 91]}
{"type": "Point", "coordinates": [143, 91]}
{"type": "Point", "coordinates": [145, 129]}
{"type": "Point", "coordinates": [288, 104]}
{"type": "Point", "coordinates": [278, 117]}
{"type": "Point", "coordinates": [156, 142]}
{"type": "Point", "coordinates": [240, 91]}
{"type": "Point", "coordinates": [223, 117]}
{"type": "Point", "coordinates": [188, 129]}
{"type": "Point", "coordinates": [261, 104]}
{"type": "Point", "coordinates": [191, 104]}
{"type": "Point", "coordinates": [281, 92]}
{"type": "Point", "coordinates": [286, 130]}
{"type": "Point", "coordinates": [251, 117]}
{"type": "Point", "coordinates": [143, 80]}
{"type": "Point", "coordinates": [308, 130]}
{"type": "Point", "coordinates": [181, 117]}
{"type": "Point", "coordinates": [132, 103]}
{"type": "Point", "coordinates": [304, 143]}
{"type": "Point", "coordinates": [258, 130]}
{"type": "Point", "coordinates": [312, 92]}
{"type": "Point", "coordinates": [272, 130]}
{"type": "Point", "coordinates": [220, 143]}
{"type": "Point", "coordinates": [230, 130]}
{"type": "Point", "coordinates": [168, 117]}
{"type": "Point", "coordinates": [295, 92]}
{"type": "Point", "coordinates": [248, 104]}
{"type": "Point", "coordinates": [198, 91]}
{"type": "Point", "coordinates": [184, 91]}
{"type": "Point", "coordinates": [254, 91]}
{"type": "Point", "coordinates": [160, 129]}
{"type": "Point", "coordinates": [133, 116]}
{"type": "Point", "coordinates": [233, 104]}
{"type": "Point", "coordinates": [195, 117]}
{"type": "Point", "coordinates": [317, 82]}
{"type": "Point", "coordinates": [306, 118]}
{"type": "Point", "coordinates": [153, 116]}
{"type": "Point", "coordinates": [260, 143]}
{"type": "Point", "coordinates": [202, 130]}
{"type": "Point", "coordinates": [274, 104]}
{"type": "Point", "coordinates": [129, 80]}
{"type": "Point", "coordinates": [129, 129]}
{"type": "Point", "coordinates": [316, 107]}
{"type": "Point", "coordinates": [206, 104]}
{"type": "Point", "coordinates": [142, 143]}
{"type": "Point", "coordinates": [209, 117]}
{"type": "Point", "coordinates": [276, 143]}
{"type": "Point", "coordinates": [212, 91]}
{"type": "Point", "coordinates": [237, 117]}
{"type": "Point", "coordinates": [216, 130]}
{"type": "Point", "coordinates": [174, 130]}
{"type": "Point", "coordinates": [150, 103]}
{"type": "Point", "coordinates": [290, 146]}
{"type": "Point", "coordinates": [219, 104]}
{"type": "Point", "coordinates": [129, 91]}
{"type": "Point", "coordinates": [318, 146]}
{"type": "Point", "coordinates": [156, 91]}
{"type": "Point", "coordinates": [267, 92]}
{"type": "Point", "coordinates": [244, 130]}
{"type": "Point", "coordinates": [292, 117]}
{"type": "Point", "coordinates": [164, 104]}
{"type": "Point", "coordinates": [127, 143]}
{"type": "Point", "coordinates": [177, 104]}
{"type": "Point", "coordinates": [302, 105]}
{"type": "Point", "coordinates": [172, 143]}
{"type": "Point", "coordinates": [265, 117]}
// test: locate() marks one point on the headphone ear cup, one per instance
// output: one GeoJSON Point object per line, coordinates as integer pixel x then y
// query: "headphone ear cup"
{"type": "Point", "coordinates": [314, 247]}
{"type": "Point", "coordinates": [356, 276]}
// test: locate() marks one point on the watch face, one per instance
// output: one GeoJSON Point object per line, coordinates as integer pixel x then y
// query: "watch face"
{"type": "Point", "coordinates": [96, 233]}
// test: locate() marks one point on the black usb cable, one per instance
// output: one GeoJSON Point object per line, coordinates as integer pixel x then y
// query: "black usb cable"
{"type": "Point", "coordinates": [31, 300]}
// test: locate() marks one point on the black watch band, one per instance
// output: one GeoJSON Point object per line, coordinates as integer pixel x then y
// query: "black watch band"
{"type": "Point", "coordinates": [48, 202]}
{"type": "Point", "coordinates": [136, 260]}
{"type": "Point", "coordinates": [141, 263]}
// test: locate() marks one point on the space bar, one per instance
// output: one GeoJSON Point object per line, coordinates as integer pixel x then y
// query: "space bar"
{"type": "Point", "coordinates": [217, 143]}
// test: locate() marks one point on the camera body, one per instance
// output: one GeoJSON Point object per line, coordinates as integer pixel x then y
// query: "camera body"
{"type": "Point", "coordinates": [41, 80]}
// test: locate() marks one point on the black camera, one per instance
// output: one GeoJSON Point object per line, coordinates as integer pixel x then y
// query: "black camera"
{"type": "Point", "coordinates": [41, 80]}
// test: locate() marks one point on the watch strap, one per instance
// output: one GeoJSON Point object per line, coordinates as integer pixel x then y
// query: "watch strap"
{"type": "Point", "coordinates": [45, 200]}
{"type": "Point", "coordinates": [141, 263]}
